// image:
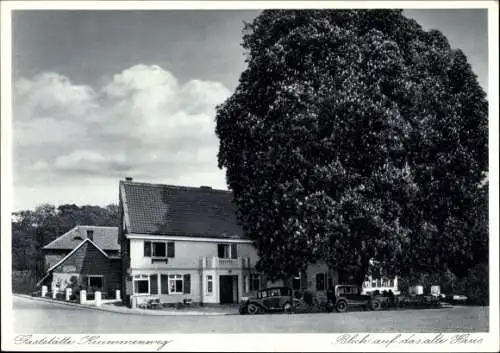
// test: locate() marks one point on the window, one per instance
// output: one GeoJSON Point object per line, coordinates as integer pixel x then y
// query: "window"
{"type": "Point", "coordinates": [275, 292]}
{"type": "Point", "coordinates": [95, 282]}
{"type": "Point", "coordinates": [175, 284]}
{"type": "Point", "coordinates": [141, 284]}
{"type": "Point", "coordinates": [254, 282]}
{"type": "Point", "coordinates": [210, 284]}
{"type": "Point", "coordinates": [227, 251]}
{"type": "Point", "coordinates": [320, 281]}
{"type": "Point", "coordinates": [178, 284]}
{"type": "Point", "coordinates": [159, 249]}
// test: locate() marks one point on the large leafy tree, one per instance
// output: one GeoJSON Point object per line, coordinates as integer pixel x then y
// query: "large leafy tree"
{"type": "Point", "coordinates": [354, 135]}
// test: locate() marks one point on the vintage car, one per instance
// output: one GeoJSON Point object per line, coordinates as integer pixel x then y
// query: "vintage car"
{"type": "Point", "coordinates": [274, 299]}
{"type": "Point", "coordinates": [345, 296]}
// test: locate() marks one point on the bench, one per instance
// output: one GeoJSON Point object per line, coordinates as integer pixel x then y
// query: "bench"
{"type": "Point", "coordinates": [154, 304]}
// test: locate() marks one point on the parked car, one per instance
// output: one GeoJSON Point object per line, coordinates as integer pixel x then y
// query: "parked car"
{"type": "Point", "coordinates": [274, 299]}
{"type": "Point", "coordinates": [456, 298]}
{"type": "Point", "coordinates": [345, 296]}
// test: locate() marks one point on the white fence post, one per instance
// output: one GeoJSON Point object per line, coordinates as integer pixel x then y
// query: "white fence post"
{"type": "Point", "coordinates": [54, 293]}
{"type": "Point", "coordinates": [44, 291]}
{"type": "Point", "coordinates": [83, 296]}
{"type": "Point", "coordinates": [117, 294]}
{"type": "Point", "coordinates": [68, 294]}
{"type": "Point", "coordinates": [97, 298]}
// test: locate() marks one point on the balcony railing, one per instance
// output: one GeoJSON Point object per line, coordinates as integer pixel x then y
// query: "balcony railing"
{"type": "Point", "coordinates": [218, 262]}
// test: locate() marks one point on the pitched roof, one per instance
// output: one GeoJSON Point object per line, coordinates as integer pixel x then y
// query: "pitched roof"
{"type": "Point", "coordinates": [105, 238]}
{"type": "Point", "coordinates": [86, 241]}
{"type": "Point", "coordinates": [178, 210]}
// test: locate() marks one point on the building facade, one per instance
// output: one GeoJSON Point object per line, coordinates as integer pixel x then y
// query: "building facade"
{"type": "Point", "coordinates": [87, 257]}
{"type": "Point", "coordinates": [183, 243]}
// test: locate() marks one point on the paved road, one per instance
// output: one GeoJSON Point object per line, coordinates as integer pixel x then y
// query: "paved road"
{"type": "Point", "coordinates": [31, 317]}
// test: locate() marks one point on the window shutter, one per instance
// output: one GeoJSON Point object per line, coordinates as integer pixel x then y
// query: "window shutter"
{"type": "Point", "coordinates": [164, 284]}
{"type": "Point", "coordinates": [170, 249]}
{"type": "Point", "coordinates": [187, 284]}
{"type": "Point", "coordinates": [147, 249]}
{"type": "Point", "coordinates": [234, 251]}
{"type": "Point", "coordinates": [153, 284]}
{"type": "Point", "coordinates": [220, 250]}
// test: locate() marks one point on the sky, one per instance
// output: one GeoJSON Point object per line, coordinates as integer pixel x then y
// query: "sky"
{"type": "Point", "coordinates": [103, 95]}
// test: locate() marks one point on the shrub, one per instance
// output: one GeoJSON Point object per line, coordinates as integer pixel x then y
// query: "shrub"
{"type": "Point", "coordinates": [23, 282]}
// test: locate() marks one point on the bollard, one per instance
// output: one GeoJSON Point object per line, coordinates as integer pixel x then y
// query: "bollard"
{"type": "Point", "coordinates": [54, 293]}
{"type": "Point", "coordinates": [68, 294]}
{"type": "Point", "coordinates": [83, 296]}
{"type": "Point", "coordinates": [97, 298]}
{"type": "Point", "coordinates": [44, 291]}
{"type": "Point", "coordinates": [117, 295]}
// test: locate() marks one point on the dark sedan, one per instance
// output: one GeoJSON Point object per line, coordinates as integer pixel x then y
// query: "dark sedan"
{"type": "Point", "coordinates": [274, 299]}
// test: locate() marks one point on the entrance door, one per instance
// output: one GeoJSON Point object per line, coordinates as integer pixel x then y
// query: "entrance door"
{"type": "Point", "coordinates": [228, 286]}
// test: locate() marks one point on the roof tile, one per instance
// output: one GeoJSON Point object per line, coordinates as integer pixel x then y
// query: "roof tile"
{"type": "Point", "coordinates": [179, 210]}
{"type": "Point", "coordinates": [104, 237]}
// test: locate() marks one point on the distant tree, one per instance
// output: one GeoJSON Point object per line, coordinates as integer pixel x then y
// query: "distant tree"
{"type": "Point", "coordinates": [354, 135]}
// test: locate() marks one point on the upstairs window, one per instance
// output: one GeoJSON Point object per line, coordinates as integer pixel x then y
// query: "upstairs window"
{"type": "Point", "coordinates": [159, 249]}
{"type": "Point", "coordinates": [227, 251]}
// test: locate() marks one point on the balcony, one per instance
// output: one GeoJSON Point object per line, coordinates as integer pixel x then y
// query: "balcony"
{"type": "Point", "coordinates": [214, 262]}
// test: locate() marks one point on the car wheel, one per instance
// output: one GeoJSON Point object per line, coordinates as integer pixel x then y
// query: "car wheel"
{"type": "Point", "coordinates": [287, 308]}
{"type": "Point", "coordinates": [375, 305]}
{"type": "Point", "coordinates": [253, 309]}
{"type": "Point", "coordinates": [341, 306]}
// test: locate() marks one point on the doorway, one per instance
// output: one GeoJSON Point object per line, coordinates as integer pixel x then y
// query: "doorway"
{"type": "Point", "coordinates": [228, 289]}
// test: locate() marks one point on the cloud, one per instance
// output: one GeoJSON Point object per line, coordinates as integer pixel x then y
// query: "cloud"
{"type": "Point", "coordinates": [141, 123]}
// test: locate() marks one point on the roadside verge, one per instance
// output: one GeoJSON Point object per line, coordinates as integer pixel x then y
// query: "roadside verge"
{"type": "Point", "coordinates": [125, 310]}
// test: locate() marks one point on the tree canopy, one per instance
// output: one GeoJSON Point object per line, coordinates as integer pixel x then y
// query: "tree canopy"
{"type": "Point", "coordinates": [356, 135]}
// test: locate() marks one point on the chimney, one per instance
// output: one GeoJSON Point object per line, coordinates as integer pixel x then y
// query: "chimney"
{"type": "Point", "coordinates": [129, 178]}
{"type": "Point", "coordinates": [90, 234]}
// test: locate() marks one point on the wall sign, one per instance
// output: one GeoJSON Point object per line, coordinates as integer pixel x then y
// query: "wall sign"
{"type": "Point", "coordinates": [69, 268]}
